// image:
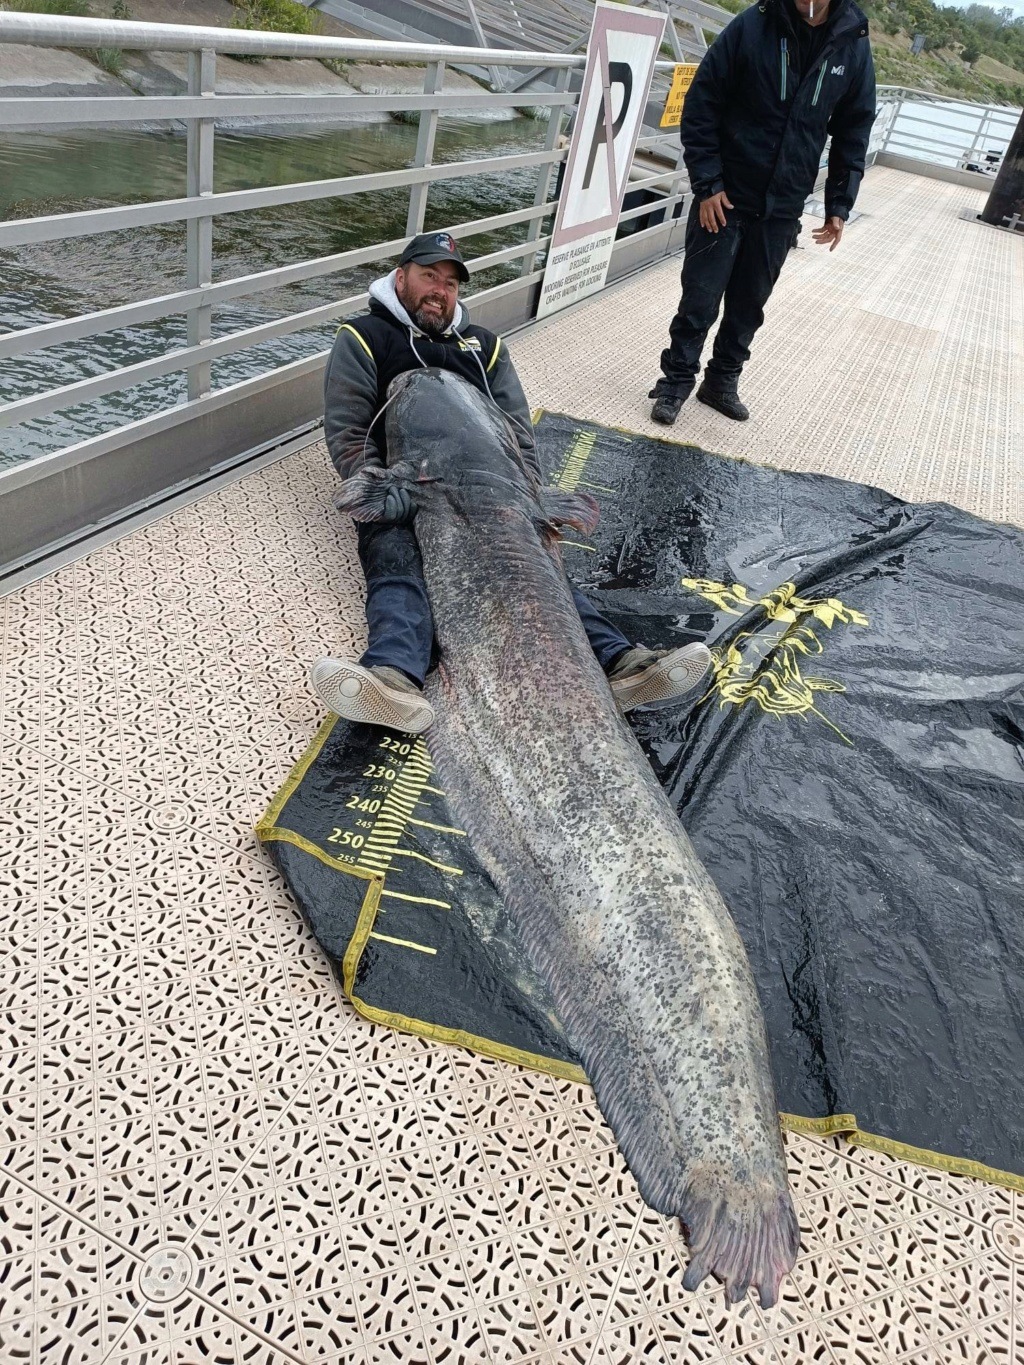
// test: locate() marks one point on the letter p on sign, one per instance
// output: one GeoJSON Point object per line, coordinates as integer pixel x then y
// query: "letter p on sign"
{"type": "Point", "coordinates": [623, 47]}
{"type": "Point", "coordinates": [606, 130]}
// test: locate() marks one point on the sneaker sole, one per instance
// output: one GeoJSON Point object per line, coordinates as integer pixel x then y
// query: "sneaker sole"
{"type": "Point", "coordinates": [675, 675]}
{"type": "Point", "coordinates": [355, 694]}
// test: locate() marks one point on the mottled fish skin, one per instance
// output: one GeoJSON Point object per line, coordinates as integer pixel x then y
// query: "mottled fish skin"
{"type": "Point", "coordinates": [613, 906]}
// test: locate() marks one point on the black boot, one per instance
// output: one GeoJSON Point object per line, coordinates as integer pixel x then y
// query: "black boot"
{"type": "Point", "coordinates": [726, 401]}
{"type": "Point", "coordinates": [668, 402]}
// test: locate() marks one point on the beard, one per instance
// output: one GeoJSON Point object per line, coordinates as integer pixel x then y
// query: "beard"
{"type": "Point", "coordinates": [435, 325]}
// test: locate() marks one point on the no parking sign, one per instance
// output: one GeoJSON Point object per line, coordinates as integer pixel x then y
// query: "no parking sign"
{"type": "Point", "coordinates": [621, 54]}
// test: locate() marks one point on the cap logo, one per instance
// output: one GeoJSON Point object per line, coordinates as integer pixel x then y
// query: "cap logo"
{"type": "Point", "coordinates": [444, 241]}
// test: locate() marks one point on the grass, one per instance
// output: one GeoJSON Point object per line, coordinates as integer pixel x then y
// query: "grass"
{"type": "Point", "coordinates": [943, 73]}
{"type": "Point", "coordinates": [109, 59]}
{"type": "Point", "coordinates": [75, 9]}
{"type": "Point", "coordinates": [273, 16]}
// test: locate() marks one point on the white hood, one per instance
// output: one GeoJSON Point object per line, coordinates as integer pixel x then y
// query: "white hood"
{"type": "Point", "coordinates": [383, 290]}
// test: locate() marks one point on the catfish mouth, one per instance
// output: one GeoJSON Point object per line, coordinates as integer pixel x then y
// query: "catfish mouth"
{"type": "Point", "coordinates": [460, 409]}
{"type": "Point", "coordinates": [400, 383]}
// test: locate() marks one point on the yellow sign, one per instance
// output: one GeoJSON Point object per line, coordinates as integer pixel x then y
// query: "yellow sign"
{"type": "Point", "coordinates": [682, 79]}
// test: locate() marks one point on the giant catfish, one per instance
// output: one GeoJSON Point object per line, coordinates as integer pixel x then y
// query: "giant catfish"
{"type": "Point", "coordinates": [614, 909]}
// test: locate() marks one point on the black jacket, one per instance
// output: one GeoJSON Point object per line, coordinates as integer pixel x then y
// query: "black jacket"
{"type": "Point", "coordinates": [755, 125]}
{"type": "Point", "coordinates": [371, 350]}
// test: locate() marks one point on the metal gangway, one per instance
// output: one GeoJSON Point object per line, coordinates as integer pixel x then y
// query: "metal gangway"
{"type": "Point", "coordinates": [48, 501]}
{"type": "Point", "coordinates": [205, 1154]}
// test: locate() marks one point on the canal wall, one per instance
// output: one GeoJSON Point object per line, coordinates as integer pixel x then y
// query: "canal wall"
{"type": "Point", "coordinates": [57, 72]}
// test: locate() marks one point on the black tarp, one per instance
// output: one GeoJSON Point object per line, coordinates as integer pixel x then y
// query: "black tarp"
{"type": "Point", "coordinates": [853, 779]}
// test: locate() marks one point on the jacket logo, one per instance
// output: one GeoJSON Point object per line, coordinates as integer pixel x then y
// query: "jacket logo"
{"type": "Point", "coordinates": [838, 70]}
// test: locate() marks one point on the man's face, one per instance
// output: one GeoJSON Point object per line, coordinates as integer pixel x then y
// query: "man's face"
{"type": "Point", "coordinates": [429, 293]}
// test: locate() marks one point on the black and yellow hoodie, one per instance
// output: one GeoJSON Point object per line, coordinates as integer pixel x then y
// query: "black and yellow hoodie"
{"type": "Point", "coordinates": [371, 350]}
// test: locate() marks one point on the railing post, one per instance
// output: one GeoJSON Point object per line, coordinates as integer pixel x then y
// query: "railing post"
{"type": "Point", "coordinates": [199, 232]}
{"type": "Point", "coordinates": [971, 153]}
{"type": "Point", "coordinates": [544, 174]}
{"type": "Point", "coordinates": [433, 80]}
{"type": "Point", "coordinates": [983, 133]}
{"type": "Point", "coordinates": [678, 195]}
{"type": "Point", "coordinates": [673, 36]}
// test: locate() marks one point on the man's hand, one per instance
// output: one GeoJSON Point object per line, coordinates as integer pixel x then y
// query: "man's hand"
{"type": "Point", "coordinates": [712, 211]}
{"type": "Point", "coordinates": [830, 233]}
{"type": "Point", "coordinates": [398, 507]}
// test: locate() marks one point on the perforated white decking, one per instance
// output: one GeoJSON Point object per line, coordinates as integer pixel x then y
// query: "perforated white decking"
{"type": "Point", "coordinates": [204, 1154]}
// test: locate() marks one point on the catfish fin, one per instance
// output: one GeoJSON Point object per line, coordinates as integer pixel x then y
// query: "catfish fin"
{"type": "Point", "coordinates": [742, 1237]}
{"type": "Point", "coordinates": [578, 510]}
{"type": "Point", "coordinates": [363, 495]}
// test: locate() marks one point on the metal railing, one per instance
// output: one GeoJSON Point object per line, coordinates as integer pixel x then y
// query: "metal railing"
{"type": "Point", "coordinates": [902, 116]}
{"type": "Point", "coordinates": [166, 446]}
{"type": "Point", "coordinates": [199, 110]}
{"type": "Point", "coordinates": [940, 130]}
{"type": "Point", "coordinates": [201, 206]}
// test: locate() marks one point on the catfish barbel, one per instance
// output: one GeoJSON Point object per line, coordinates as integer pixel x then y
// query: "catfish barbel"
{"type": "Point", "coordinates": [615, 911]}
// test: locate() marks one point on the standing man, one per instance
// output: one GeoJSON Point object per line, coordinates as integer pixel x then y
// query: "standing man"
{"type": "Point", "coordinates": [416, 320]}
{"type": "Point", "coordinates": [783, 76]}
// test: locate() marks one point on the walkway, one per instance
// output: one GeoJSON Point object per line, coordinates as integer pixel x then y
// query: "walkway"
{"type": "Point", "coordinates": [204, 1154]}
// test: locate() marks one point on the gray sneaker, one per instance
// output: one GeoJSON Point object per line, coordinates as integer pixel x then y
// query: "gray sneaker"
{"type": "Point", "coordinates": [641, 676]}
{"type": "Point", "coordinates": [376, 695]}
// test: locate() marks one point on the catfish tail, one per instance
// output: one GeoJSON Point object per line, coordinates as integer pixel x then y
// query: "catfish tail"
{"type": "Point", "coordinates": [742, 1237]}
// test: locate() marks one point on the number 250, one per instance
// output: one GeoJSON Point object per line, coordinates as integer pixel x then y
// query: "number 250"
{"type": "Point", "coordinates": [345, 836]}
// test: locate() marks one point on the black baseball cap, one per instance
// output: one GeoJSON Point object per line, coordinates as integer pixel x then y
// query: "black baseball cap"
{"type": "Point", "coordinates": [430, 247]}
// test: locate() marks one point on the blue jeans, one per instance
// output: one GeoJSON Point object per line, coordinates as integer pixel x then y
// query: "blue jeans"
{"type": "Point", "coordinates": [398, 618]}
{"type": "Point", "coordinates": [739, 263]}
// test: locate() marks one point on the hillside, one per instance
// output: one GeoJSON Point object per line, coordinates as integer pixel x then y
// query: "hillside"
{"type": "Point", "coordinates": [967, 53]}
{"type": "Point", "coordinates": [943, 71]}
{"type": "Point", "coordinates": [971, 53]}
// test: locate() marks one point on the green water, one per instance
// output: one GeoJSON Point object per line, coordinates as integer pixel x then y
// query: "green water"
{"type": "Point", "coordinates": [50, 173]}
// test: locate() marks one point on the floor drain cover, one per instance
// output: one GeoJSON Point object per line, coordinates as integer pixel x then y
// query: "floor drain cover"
{"type": "Point", "coordinates": [1008, 1236]}
{"type": "Point", "coordinates": [166, 1274]}
{"type": "Point", "coordinates": [170, 816]}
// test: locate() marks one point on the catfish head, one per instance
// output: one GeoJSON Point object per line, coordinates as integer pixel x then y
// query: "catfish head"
{"type": "Point", "coordinates": [454, 449]}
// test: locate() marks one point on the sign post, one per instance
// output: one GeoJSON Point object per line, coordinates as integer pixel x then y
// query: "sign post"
{"type": "Point", "coordinates": [621, 54]}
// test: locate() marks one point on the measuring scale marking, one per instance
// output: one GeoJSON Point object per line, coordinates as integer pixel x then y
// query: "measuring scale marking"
{"type": "Point", "coordinates": [396, 784]}
{"type": "Point", "coordinates": [570, 477]}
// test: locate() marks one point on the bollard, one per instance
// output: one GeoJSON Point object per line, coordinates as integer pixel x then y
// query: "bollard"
{"type": "Point", "coordinates": [1005, 206]}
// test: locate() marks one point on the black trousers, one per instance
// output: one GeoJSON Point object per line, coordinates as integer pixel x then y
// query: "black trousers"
{"type": "Point", "coordinates": [740, 264]}
{"type": "Point", "coordinates": [398, 616]}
